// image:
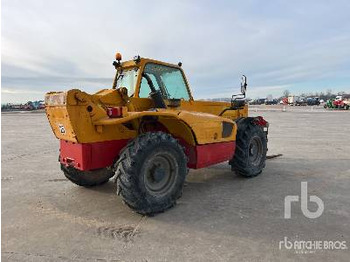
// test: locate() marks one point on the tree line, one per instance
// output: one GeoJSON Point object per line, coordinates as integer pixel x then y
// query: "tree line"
{"type": "Point", "coordinates": [322, 95]}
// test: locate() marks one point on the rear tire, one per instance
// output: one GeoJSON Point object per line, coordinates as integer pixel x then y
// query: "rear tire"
{"type": "Point", "coordinates": [151, 172]}
{"type": "Point", "coordinates": [87, 178]}
{"type": "Point", "coordinates": [251, 147]}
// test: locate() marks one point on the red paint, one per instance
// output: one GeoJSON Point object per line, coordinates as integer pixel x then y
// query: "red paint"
{"type": "Point", "coordinates": [206, 155]}
{"type": "Point", "coordinates": [92, 155]}
{"type": "Point", "coordinates": [211, 154]}
{"type": "Point", "coordinates": [338, 103]}
{"type": "Point", "coordinates": [115, 112]}
{"type": "Point", "coordinates": [103, 154]}
{"type": "Point", "coordinates": [260, 121]}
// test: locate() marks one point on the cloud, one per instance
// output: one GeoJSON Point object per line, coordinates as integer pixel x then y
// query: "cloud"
{"type": "Point", "coordinates": [22, 89]}
{"type": "Point", "coordinates": [19, 91]}
{"type": "Point", "coordinates": [299, 44]}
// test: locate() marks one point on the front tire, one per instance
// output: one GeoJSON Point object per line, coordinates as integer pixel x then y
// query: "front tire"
{"type": "Point", "coordinates": [251, 147]}
{"type": "Point", "coordinates": [151, 172]}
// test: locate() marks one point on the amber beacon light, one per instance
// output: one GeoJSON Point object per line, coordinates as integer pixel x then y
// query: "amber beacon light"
{"type": "Point", "coordinates": [118, 56]}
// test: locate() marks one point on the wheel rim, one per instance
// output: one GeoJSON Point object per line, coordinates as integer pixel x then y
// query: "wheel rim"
{"type": "Point", "coordinates": [255, 151]}
{"type": "Point", "coordinates": [159, 172]}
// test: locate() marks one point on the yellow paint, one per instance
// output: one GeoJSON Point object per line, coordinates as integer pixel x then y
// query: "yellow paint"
{"type": "Point", "coordinates": [80, 117]}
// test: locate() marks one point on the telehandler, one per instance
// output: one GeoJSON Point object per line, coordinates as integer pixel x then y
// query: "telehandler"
{"type": "Point", "coordinates": [147, 131]}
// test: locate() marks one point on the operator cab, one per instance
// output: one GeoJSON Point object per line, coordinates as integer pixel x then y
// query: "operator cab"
{"type": "Point", "coordinates": [337, 98]}
{"type": "Point", "coordinates": [146, 78]}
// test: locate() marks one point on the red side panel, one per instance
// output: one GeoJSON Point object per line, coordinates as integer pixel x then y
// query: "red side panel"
{"type": "Point", "coordinates": [211, 154]}
{"type": "Point", "coordinates": [90, 156]}
{"type": "Point", "coordinates": [103, 154]}
{"type": "Point", "coordinates": [76, 155]}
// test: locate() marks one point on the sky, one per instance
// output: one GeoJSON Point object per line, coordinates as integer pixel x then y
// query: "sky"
{"type": "Point", "coordinates": [302, 46]}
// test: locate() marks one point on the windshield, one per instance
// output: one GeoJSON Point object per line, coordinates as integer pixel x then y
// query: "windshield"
{"type": "Point", "coordinates": [127, 78]}
{"type": "Point", "coordinates": [169, 80]}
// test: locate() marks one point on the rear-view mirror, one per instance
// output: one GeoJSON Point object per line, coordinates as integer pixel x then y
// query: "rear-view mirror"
{"type": "Point", "coordinates": [243, 84]}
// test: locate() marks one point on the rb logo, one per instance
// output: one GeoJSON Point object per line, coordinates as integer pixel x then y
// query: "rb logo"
{"type": "Point", "coordinates": [304, 201]}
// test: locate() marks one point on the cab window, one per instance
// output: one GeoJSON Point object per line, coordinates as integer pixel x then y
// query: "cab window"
{"type": "Point", "coordinates": [145, 89]}
{"type": "Point", "coordinates": [127, 78]}
{"type": "Point", "coordinates": [169, 80]}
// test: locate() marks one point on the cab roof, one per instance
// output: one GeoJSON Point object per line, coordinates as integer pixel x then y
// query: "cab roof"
{"type": "Point", "coordinates": [140, 61]}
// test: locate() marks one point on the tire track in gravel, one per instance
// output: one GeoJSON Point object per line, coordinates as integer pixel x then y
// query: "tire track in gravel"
{"type": "Point", "coordinates": [125, 233]}
{"type": "Point", "coordinates": [43, 152]}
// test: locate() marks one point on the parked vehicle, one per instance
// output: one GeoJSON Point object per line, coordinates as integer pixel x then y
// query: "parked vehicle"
{"type": "Point", "coordinates": [313, 101]}
{"type": "Point", "coordinates": [292, 100]}
{"type": "Point", "coordinates": [338, 103]}
{"type": "Point", "coordinates": [329, 103]}
{"type": "Point", "coordinates": [271, 102]}
{"type": "Point", "coordinates": [147, 130]}
{"type": "Point", "coordinates": [29, 106]}
{"type": "Point", "coordinates": [284, 101]}
{"type": "Point", "coordinates": [259, 101]}
{"type": "Point", "coordinates": [301, 101]}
